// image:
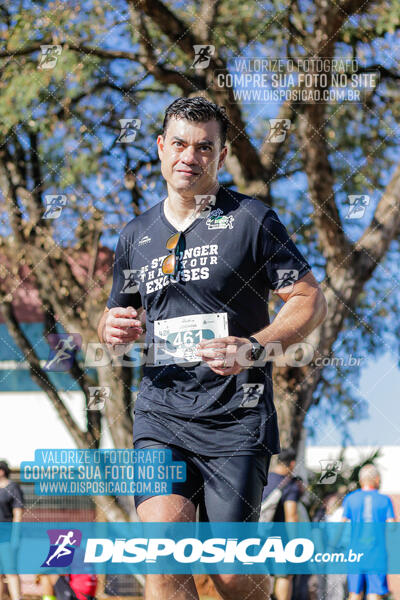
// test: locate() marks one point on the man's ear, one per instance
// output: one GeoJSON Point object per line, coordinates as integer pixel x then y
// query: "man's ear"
{"type": "Point", "coordinates": [160, 145]}
{"type": "Point", "coordinates": [222, 156]}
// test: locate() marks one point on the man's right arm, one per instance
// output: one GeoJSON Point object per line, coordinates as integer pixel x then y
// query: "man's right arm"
{"type": "Point", "coordinates": [120, 325]}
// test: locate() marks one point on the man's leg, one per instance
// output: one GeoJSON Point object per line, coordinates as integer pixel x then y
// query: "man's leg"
{"type": "Point", "coordinates": [233, 487]}
{"type": "Point", "coordinates": [172, 508]}
{"type": "Point", "coordinates": [47, 584]}
{"type": "Point", "coordinates": [283, 587]}
{"type": "Point", "coordinates": [14, 586]}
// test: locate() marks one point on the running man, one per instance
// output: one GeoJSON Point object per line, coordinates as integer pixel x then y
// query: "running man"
{"type": "Point", "coordinates": [204, 289]}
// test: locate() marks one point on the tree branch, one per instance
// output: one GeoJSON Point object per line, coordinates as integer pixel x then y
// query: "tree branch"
{"type": "Point", "coordinates": [384, 227]}
{"type": "Point", "coordinates": [245, 164]}
{"type": "Point", "coordinates": [333, 241]}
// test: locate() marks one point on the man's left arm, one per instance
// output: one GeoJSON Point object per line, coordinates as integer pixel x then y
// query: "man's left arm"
{"type": "Point", "coordinates": [304, 306]}
{"type": "Point", "coordinates": [304, 309]}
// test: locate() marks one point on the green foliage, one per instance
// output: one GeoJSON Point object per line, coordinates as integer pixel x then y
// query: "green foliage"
{"type": "Point", "coordinates": [75, 109]}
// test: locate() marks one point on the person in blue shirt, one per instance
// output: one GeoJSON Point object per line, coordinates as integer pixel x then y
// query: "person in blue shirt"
{"type": "Point", "coordinates": [367, 505]}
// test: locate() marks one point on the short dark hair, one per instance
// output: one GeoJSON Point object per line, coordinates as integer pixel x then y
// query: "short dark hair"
{"type": "Point", "coordinates": [4, 467]}
{"type": "Point", "coordinates": [197, 109]}
{"type": "Point", "coordinates": [287, 456]}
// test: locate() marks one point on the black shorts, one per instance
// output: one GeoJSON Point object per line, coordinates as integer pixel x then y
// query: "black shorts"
{"type": "Point", "coordinates": [225, 488]}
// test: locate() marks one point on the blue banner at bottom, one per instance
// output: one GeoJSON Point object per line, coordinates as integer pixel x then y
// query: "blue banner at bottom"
{"type": "Point", "coordinates": [275, 548]}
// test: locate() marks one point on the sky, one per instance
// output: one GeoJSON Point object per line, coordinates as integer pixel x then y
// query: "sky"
{"type": "Point", "coordinates": [380, 387]}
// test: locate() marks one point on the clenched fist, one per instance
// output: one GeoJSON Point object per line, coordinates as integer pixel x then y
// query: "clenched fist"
{"type": "Point", "coordinates": [122, 326]}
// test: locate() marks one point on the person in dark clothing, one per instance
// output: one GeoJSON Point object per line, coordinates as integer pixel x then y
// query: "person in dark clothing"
{"type": "Point", "coordinates": [203, 279]}
{"type": "Point", "coordinates": [11, 505]}
{"type": "Point", "coordinates": [286, 510]}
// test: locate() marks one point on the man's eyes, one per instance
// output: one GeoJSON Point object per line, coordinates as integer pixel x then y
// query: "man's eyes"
{"type": "Point", "coordinates": [206, 147]}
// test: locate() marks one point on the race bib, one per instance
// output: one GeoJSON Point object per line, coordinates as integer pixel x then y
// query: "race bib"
{"type": "Point", "coordinates": [175, 339]}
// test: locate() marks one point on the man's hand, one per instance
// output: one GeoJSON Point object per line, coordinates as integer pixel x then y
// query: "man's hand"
{"type": "Point", "coordinates": [122, 326]}
{"type": "Point", "coordinates": [225, 356]}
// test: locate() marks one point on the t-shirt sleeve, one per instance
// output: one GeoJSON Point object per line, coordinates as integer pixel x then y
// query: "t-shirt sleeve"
{"type": "Point", "coordinates": [291, 492]}
{"type": "Point", "coordinates": [389, 510]}
{"type": "Point", "coordinates": [17, 497]}
{"type": "Point", "coordinates": [125, 290]}
{"type": "Point", "coordinates": [284, 264]}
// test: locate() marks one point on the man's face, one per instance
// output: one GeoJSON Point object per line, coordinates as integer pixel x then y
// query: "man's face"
{"type": "Point", "coordinates": [191, 155]}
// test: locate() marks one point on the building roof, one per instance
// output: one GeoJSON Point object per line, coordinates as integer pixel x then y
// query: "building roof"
{"type": "Point", "coordinates": [21, 285]}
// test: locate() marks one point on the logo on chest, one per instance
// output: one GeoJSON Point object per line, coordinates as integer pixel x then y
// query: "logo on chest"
{"type": "Point", "coordinates": [217, 220]}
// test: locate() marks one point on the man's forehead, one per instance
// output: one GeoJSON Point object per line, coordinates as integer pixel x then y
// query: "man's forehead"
{"type": "Point", "coordinates": [193, 130]}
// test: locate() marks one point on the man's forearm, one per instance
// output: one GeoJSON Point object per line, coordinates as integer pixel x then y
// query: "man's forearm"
{"type": "Point", "coordinates": [297, 318]}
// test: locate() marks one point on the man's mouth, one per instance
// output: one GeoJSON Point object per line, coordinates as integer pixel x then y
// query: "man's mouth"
{"type": "Point", "coordinates": [187, 172]}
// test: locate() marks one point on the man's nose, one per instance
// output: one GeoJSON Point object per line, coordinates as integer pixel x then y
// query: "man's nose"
{"type": "Point", "coordinates": [189, 155]}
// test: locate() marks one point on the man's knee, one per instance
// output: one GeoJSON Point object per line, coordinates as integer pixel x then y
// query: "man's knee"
{"type": "Point", "coordinates": [232, 586]}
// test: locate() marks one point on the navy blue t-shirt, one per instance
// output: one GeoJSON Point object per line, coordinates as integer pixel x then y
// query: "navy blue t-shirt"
{"type": "Point", "coordinates": [291, 491]}
{"type": "Point", "coordinates": [231, 259]}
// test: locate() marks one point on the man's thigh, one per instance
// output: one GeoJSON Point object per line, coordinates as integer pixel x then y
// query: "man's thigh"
{"type": "Point", "coordinates": [181, 504]}
{"type": "Point", "coordinates": [233, 487]}
{"type": "Point", "coordinates": [226, 488]}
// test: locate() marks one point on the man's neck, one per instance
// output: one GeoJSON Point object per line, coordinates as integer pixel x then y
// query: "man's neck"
{"type": "Point", "coordinates": [3, 482]}
{"type": "Point", "coordinates": [181, 209]}
{"type": "Point", "coordinates": [368, 488]}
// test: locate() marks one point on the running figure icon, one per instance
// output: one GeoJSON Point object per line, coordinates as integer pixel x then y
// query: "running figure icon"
{"type": "Point", "coordinates": [62, 550]}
